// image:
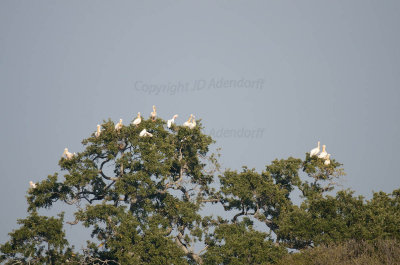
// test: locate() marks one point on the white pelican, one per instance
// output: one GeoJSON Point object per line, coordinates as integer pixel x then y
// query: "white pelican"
{"type": "Point", "coordinates": [32, 185]}
{"type": "Point", "coordinates": [97, 134]}
{"type": "Point", "coordinates": [187, 123]}
{"type": "Point", "coordinates": [327, 161]}
{"type": "Point", "coordinates": [193, 123]}
{"type": "Point", "coordinates": [118, 126]}
{"type": "Point", "coordinates": [67, 154]}
{"type": "Point", "coordinates": [314, 151]}
{"type": "Point", "coordinates": [172, 121]}
{"type": "Point", "coordinates": [145, 133]}
{"type": "Point", "coordinates": [323, 154]}
{"type": "Point", "coordinates": [153, 113]}
{"type": "Point", "coordinates": [138, 120]}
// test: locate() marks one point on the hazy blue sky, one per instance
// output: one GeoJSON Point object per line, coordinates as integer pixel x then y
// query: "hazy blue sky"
{"type": "Point", "coordinates": [313, 70]}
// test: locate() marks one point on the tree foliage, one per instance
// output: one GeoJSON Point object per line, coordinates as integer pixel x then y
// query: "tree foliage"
{"type": "Point", "coordinates": [142, 199]}
{"type": "Point", "coordinates": [358, 252]}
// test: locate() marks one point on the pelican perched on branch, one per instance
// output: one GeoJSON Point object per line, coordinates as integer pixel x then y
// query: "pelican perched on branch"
{"type": "Point", "coordinates": [32, 185]}
{"type": "Point", "coordinates": [327, 160]}
{"type": "Point", "coordinates": [153, 113]}
{"type": "Point", "coordinates": [119, 125]}
{"type": "Point", "coordinates": [138, 120]}
{"type": "Point", "coordinates": [314, 151]}
{"type": "Point", "coordinates": [67, 154]}
{"type": "Point", "coordinates": [172, 121]}
{"type": "Point", "coordinates": [193, 123]}
{"type": "Point", "coordinates": [323, 154]}
{"type": "Point", "coordinates": [145, 133]}
{"type": "Point", "coordinates": [188, 122]}
{"type": "Point", "coordinates": [97, 134]}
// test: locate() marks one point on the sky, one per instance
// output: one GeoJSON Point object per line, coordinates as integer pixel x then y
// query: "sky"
{"type": "Point", "coordinates": [268, 79]}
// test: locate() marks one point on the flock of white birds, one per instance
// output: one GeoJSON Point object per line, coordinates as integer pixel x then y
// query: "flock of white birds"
{"type": "Point", "coordinates": [190, 123]}
{"type": "Point", "coordinates": [324, 155]}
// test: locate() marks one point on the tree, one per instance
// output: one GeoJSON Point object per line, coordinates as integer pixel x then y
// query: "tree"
{"type": "Point", "coordinates": [39, 240]}
{"type": "Point", "coordinates": [239, 243]}
{"type": "Point", "coordinates": [142, 197]}
{"type": "Point", "coordinates": [350, 252]}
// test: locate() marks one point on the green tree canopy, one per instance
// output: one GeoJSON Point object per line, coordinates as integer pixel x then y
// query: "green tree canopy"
{"type": "Point", "coordinates": [142, 199]}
